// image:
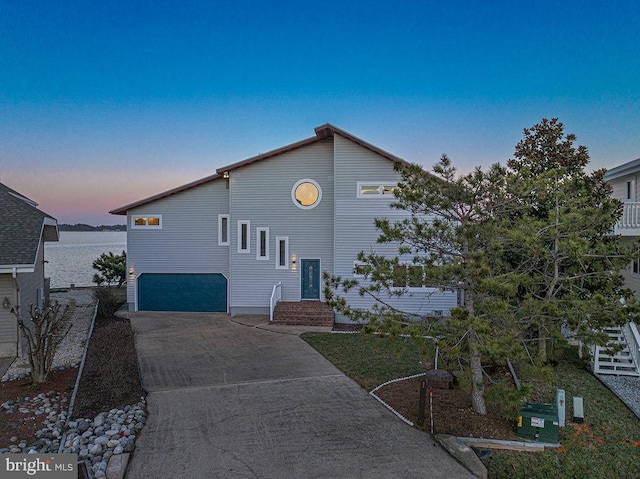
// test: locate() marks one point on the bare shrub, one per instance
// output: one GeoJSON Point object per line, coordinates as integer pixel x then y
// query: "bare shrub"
{"type": "Point", "coordinates": [43, 333]}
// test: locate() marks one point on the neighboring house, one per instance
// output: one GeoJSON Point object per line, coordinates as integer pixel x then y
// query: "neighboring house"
{"type": "Point", "coordinates": [624, 181]}
{"type": "Point", "coordinates": [267, 226]}
{"type": "Point", "coordinates": [23, 232]}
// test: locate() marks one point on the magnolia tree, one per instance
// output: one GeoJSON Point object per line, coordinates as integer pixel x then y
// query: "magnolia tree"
{"type": "Point", "coordinates": [43, 333]}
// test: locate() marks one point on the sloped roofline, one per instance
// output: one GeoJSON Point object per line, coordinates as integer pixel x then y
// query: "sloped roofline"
{"type": "Point", "coordinates": [623, 170]}
{"type": "Point", "coordinates": [322, 132]}
{"type": "Point", "coordinates": [39, 223]}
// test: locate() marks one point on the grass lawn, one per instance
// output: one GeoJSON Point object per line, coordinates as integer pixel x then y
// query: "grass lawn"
{"type": "Point", "coordinates": [606, 446]}
{"type": "Point", "coordinates": [372, 360]}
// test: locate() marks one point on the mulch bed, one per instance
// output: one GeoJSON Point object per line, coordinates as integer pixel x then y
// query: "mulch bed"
{"type": "Point", "coordinates": [452, 411]}
{"type": "Point", "coordinates": [110, 378]}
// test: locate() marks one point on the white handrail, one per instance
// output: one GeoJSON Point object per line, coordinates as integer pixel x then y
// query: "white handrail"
{"type": "Point", "coordinates": [276, 296]}
{"type": "Point", "coordinates": [632, 337]}
{"type": "Point", "coordinates": [630, 216]}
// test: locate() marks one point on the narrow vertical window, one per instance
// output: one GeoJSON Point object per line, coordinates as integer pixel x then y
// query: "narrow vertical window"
{"type": "Point", "coordinates": [262, 243]}
{"type": "Point", "coordinates": [282, 252]}
{"type": "Point", "coordinates": [631, 186]}
{"type": "Point", "coordinates": [243, 237]}
{"type": "Point", "coordinates": [223, 230]}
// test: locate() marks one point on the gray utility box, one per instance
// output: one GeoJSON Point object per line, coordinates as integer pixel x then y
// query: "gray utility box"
{"type": "Point", "coordinates": [538, 422]}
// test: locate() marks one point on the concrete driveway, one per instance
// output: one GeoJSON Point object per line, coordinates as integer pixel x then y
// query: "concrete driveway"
{"type": "Point", "coordinates": [229, 400]}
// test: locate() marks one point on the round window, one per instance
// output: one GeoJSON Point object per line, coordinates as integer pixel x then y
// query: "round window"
{"type": "Point", "coordinates": [306, 194]}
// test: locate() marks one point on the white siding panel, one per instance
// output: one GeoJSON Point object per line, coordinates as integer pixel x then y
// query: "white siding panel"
{"type": "Point", "coordinates": [355, 230]}
{"type": "Point", "coordinates": [188, 239]}
{"type": "Point", "coordinates": [261, 193]}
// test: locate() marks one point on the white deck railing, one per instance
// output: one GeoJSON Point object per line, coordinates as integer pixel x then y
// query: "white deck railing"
{"type": "Point", "coordinates": [276, 296]}
{"type": "Point", "coordinates": [632, 336]}
{"type": "Point", "coordinates": [630, 216]}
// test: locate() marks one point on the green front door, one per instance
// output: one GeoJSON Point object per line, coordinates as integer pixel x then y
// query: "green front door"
{"type": "Point", "coordinates": [310, 279]}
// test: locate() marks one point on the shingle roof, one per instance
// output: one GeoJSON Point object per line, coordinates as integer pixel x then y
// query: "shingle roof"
{"type": "Point", "coordinates": [324, 131]}
{"type": "Point", "coordinates": [22, 225]}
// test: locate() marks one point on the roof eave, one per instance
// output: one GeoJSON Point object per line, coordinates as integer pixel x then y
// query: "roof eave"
{"type": "Point", "coordinates": [123, 209]}
{"type": "Point", "coordinates": [16, 268]}
{"type": "Point", "coordinates": [623, 170]}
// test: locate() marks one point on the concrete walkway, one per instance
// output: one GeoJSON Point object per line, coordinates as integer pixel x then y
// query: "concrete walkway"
{"type": "Point", "coordinates": [231, 400]}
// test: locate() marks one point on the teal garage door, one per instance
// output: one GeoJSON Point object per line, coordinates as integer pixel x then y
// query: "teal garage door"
{"type": "Point", "coordinates": [182, 292]}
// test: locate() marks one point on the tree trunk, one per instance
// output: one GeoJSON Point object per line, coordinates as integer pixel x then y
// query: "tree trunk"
{"type": "Point", "coordinates": [542, 345]}
{"type": "Point", "coordinates": [477, 389]}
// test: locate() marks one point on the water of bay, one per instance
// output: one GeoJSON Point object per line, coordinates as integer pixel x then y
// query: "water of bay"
{"type": "Point", "coordinates": [69, 260]}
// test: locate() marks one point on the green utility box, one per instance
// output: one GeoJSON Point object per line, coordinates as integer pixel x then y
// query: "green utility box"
{"type": "Point", "coordinates": [538, 422]}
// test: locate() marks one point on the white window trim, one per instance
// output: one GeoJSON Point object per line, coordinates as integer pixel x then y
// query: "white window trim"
{"type": "Point", "coordinates": [380, 185]}
{"type": "Point", "coordinates": [286, 252]}
{"type": "Point", "coordinates": [221, 241]}
{"type": "Point", "coordinates": [240, 224]}
{"type": "Point", "coordinates": [355, 265]}
{"type": "Point", "coordinates": [630, 190]}
{"type": "Point", "coordinates": [134, 226]}
{"type": "Point", "coordinates": [258, 241]}
{"type": "Point", "coordinates": [293, 193]}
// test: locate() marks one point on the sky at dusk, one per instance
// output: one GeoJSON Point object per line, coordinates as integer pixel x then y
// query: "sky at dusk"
{"type": "Point", "coordinates": [105, 103]}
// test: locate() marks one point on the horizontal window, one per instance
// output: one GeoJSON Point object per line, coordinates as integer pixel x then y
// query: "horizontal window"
{"type": "Point", "coordinates": [147, 222]}
{"type": "Point", "coordinates": [408, 276]}
{"type": "Point", "coordinates": [375, 189]}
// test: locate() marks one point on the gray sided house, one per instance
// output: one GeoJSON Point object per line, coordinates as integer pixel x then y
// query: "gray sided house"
{"type": "Point", "coordinates": [624, 183]}
{"type": "Point", "coordinates": [267, 227]}
{"type": "Point", "coordinates": [23, 232]}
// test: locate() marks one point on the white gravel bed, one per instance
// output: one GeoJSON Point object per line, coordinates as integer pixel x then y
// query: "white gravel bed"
{"type": "Point", "coordinates": [69, 353]}
{"type": "Point", "coordinates": [627, 388]}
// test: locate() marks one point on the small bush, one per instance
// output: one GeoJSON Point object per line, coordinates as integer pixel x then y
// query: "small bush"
{"type": "Point", "coordinates": [109, 300]}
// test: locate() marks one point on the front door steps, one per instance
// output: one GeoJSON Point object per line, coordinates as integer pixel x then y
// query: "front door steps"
{"type": "Point", "coordinates": [307, 313]}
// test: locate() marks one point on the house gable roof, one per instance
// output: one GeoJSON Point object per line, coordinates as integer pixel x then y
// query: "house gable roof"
{"type": "Point", "coordinates": [22, 226]}
{"type": "Point", "coordinates": [322, 132]}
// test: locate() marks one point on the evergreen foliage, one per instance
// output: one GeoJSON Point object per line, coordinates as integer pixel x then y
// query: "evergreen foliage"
{"type": "Point", "coordinates": [528, 249]}
{"type": "Point", "coordinates": [112, 269]}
